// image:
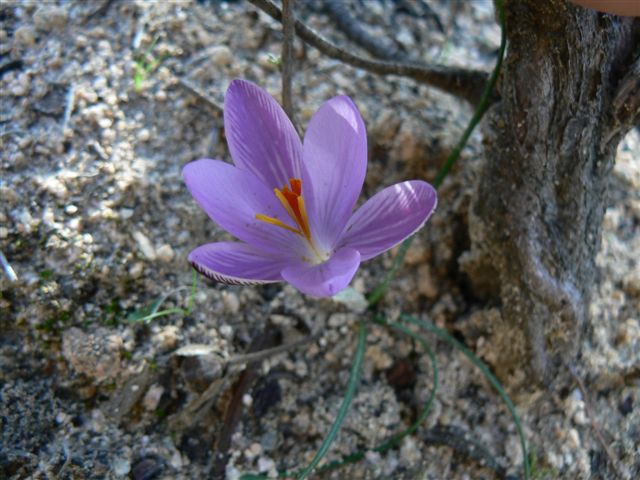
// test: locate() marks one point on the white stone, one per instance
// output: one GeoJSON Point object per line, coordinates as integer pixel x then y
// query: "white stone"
{"type": "Point", "coordinates": [105, 122]}
{"type": "Point", "coordinates": [145, 245]}
{"type": "Point", "coordinates": [221, 55]}
{"type": "Point", "coordinates": [144, 135]}
{"type": "Point", "coordinates": [25, 36]}
{"type": "Point", "coordinates": [49, 17]}
{"type": "Point", "coordinates": [71, 209]}
{"type": "Point", "coordinates": [152, 397]}
{"type": "Point", "coordinates": [136, 270]}
{"type": "Point", "coordinates": [266, 464]}
{"type": "Point", "coordinates": [165, 253]}
{"type": "Point", "coordinates": [231, 302]}
{"type": "Point", "coordinates": [226, 331]}
{"type": "Point", "coordinates": [176, 461]}
{"type": "Point", "coordinates": [121, 467]}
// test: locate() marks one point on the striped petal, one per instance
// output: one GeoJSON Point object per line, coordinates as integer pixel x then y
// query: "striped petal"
{"type": "Point", "coordinates": [236, 263]}
{"type": "Point", "coordinates": [335, 164]}
{"type": "Point", "coordinates": [260, 136]}
{"type": "Point", "coordinates": [389, 217]}
{"type": "Point", "coordinates": [233, 197]}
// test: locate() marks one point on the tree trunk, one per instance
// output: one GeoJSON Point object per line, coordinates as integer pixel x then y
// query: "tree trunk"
{"type": "Point", "coordinates": [569, 90]}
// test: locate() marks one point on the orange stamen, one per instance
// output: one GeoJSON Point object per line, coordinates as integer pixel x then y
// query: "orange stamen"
{"type": "Point", "coordinates": [296, 186]}
{"type": "Point", "coordinates": [293, 203]}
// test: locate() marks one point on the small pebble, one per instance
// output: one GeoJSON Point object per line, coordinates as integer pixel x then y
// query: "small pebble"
{"type": "Point", "coordinates": [628, 332]}
{"type": "Point", "coordinates": [269, 440]}
{"type": "Point", "coordinates": [256, 449]}
{"type": "Point", "coordinates": [105, 122]}
{"type": "Point", "coordinates": [416, 254]}
{"type": "Point", "coordinates": [145, 245]}
{"type": "Point", "coordinates": [96, 354]}
{"type": "Point", "coordinates": [62, 418]}
{"type": "Point", "coordinates": [50, 17]}
{"type": "Point", "coordinates": [580, 418]}
{"type": "Point", "coordinates": [231, 302]}
{"type": "Point", "coordinates": [266, 464]}
{"type": "Point", "coordinates": [573, 438]}
{"type": "Point", "coordinates": [165, 253]}
{"type": "Point", "coordinates": [339, 319]}
{"type": "Point", "coordinates": [631, 283]}
{"type": "Point", "coordinates": [147, 469]}
{"type": "Point", "coordinates": [21, 86]}
{"type": "Point", "coordinates": [152, 397]}
{"type": "Point", "coordinates": [221, 56]}
{"type": "Point", "coordinates": [136, 270]}
{"type": "Point", "coordinates": [176, 461]}
{"type": "Point", "coordinates": [226, 331]}
{"type": "Point", "coordinates": [167, 337]}
{"type": "Point", "coordinates": [199, 371]}
{"type": "Point", "coordinates": [426, 285]}
{"type": "Point", "coordinates": [25, 36]}
{"type": "Point", "coordinates": [71, 209]}
{"type": "Point", "coordinates": [121, 467]}
{"type": "Point", "coordinates": [144, 135]}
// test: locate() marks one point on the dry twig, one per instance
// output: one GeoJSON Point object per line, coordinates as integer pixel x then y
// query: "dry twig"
{"type": "Point", "coordinates": [233, 412]}
{"type": "Point", "coordinates": [288, 30]}
{"type": "Point", "coordinates": [613, 459]}
{"type": "Point", "coordinates": [195, 410]}
{"type": "Point", "coordinates": [463, 83]}
{"type": "Point", "coordinates": [269, 352]}
{"type": "Point", "coordinates": [193, 89]}
{"type": "Point", "coordinates": [339, 13]}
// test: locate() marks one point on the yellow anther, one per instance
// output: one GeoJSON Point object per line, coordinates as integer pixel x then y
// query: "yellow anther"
{"type": "Point", "coordinates": [276, 222]}
{"type": "Point", "coordinates": [293, 202]}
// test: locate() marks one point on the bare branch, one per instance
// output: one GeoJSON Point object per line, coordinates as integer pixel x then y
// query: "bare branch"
{"type": "Point", "coordinates": [288, 30]}
{"type": "Point", "coordinates": [269, 352]}
{"type": "Point", "coordinates": [339, 13]}
{"type": "Point", "coordinates": [463, 83]}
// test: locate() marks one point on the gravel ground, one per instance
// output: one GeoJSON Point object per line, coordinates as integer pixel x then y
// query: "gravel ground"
{"type": "Point", "coordinates": [96, 223]}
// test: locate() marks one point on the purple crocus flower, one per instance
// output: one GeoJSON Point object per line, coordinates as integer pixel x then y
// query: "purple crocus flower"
{"type": "Point", "coordinates": [290, 203]}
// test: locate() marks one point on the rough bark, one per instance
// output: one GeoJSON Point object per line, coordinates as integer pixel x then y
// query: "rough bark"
{"type": "Point", "coordinates": [569, 90]}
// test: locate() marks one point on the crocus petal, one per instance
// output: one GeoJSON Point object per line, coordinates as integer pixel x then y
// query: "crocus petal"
{"type": "Point", "coordinates": [232, 198]}
{"type": "Point", "coordinates": [389, 217]}
{"type": "Point", "coordinates": [236, 263]}
{"type": "Point", "coordinates": [335, 163]}
{"type": "Point", "coordinates": [325, 279]}
{"type": "Point", "coordinates": [260, 136]}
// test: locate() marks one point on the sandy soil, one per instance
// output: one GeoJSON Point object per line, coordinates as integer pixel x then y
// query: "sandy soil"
{"type": "Point", "coordinates": [96, 223]}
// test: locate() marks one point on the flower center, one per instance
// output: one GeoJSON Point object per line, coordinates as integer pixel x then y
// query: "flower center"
{"type": "Point", "coordinates": [293, 202]}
